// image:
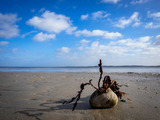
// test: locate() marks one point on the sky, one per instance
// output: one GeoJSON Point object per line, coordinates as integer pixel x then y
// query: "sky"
{"type": "Point", "coordinates": [50, 33]}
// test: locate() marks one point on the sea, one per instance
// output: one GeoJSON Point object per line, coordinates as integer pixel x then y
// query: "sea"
{"type": "Point", "coordinates": [108, 69]}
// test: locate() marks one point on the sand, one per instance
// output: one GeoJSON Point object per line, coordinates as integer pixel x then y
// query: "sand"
{"type": "Point", "coordinates": [39, 96]}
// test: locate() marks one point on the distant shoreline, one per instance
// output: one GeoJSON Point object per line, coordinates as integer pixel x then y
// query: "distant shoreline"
{"type": "Point", "coordinates": [78, 66]}
{"type": "Point", "coordinates": [109, 69]}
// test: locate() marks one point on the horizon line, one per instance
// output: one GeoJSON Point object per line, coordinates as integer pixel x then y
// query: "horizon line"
{"type": "Point", "coordinates": [79, 66]}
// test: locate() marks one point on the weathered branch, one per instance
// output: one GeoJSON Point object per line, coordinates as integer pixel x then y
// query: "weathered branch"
{"type": "Point", "coordinates": [79, 94]}
{"type": "Point", "coordinates": [93, 85]}
{"type": "Point", "coordinates": [101, 72]}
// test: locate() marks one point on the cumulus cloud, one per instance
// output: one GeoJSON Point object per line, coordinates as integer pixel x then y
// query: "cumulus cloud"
{"type": "Point", "coordinates": [3, 43]}
{"type": "Point", "coordinates": [63, 50]}
{"type": "Point", "coordinates": [84, 41]}
{"type": "Point", "coordinates": [142, 47]}
{"type": "Point", "coordinates": [95, 15]}
{"type": "Point", "coordinates": [153, 15]}
{"type": "Point", "coordinates": [157, 42]}
{"type": "Point", "coordinates": [84, 17]}
{"type": "Point", "coordinates": [99, 14]}
{"type": "Point", "coordinates": [123, 22]}
{"type": "Point", "coordinates": [101, 33]}
{"type": "Point", "coordinates": [110, 1]}
{"type": "Point", "coordinates": [144, 39]}
{"type": "Point", "coordinates": [71, 30]}
{"type": "Point", "coordinates": [155, 22]}
{"type": "Point", "coordinates": [124, 47]}
{"type": "Point", "coordinates": [136, 24]}
{"type": "Point", "coordinates": [8, 27]}
{"type": "Point", "coordinates": [52, 22]}
{"type": "Point", "coordinates": [152, 25]}
{"type": "Point", "coordinates": [42, 10]}
{"type": "Point", "coordinates": [142, 42]}
{"type": "Point", "coordinates": [97, 49]}
{"type": "Point", "coordinates": [158, 37]}
{"type": "Point", "coordinates": [134, 2]}
{"type": "Point", "coordinates": [139, 51]}
{"type": "Point", "coordinates": [40, 37]}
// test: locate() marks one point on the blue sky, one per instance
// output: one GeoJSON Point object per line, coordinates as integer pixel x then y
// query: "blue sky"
{"type": "Point", "coordinates": [79, 32]}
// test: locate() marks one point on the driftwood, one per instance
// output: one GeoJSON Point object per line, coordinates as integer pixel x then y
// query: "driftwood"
{"type": "Point", "coordinates": [107, 83]}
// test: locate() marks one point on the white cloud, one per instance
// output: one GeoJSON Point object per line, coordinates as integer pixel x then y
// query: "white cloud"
{"type": "Point", "coordinates": [140, 51]}
{"type": "Point", "coordinates": [26, 34]}
{"type": "Point", "coordinates": [97, 49]}
{"type": "Point", "coordinates": [71, 30]}
{"type": "Point", "coordinates": [42, 10]}
{"type": "Point", "coordinates": [156, 18]}
{"type": "Point", "coordinates": [140, 43]}
{"type": "Point", "coordinates": [121, 47]}
{"type": "Point", "coordinates": [152, 25]}
{"type": "Point", "coordinates": [84, 41]}
{"type": "Point", "coordinates": [63, 50]}
{"type": "Point", "coordinates": [110, 1]}
{"type": "Point", "coordinates": [8, 27]}
{"type": "Point", "coordinates": [145, 39]}
{"type": "Point", "coordinates": [40, 37]}
{"type": "Point", "coordinates": [155, 23]}
{"type": "Point", "coordinates": [134, 2]}
{"type": "Point", "coordinates": [101, 33]}
{"type": "Point", "coordinates": [158, 37]}
{"type": "Point", "coordinates": [125, 47]}
{"type": "Point", "coordinates": [123, 22]}
{"type": "Point", "coordinates": [52, 22]}
{"type": "Point", "coordinates": [99, 14]}
{"type": "Point", "coordinates": [3, 43]}
{"type": "Point", "coordinates": [157, 42]}
{"type": "Point", "coordinates": [84, 17]}
{"type": "Point", "coordinates": [154, 15]}
{"type": "Point", "coordinates": [95, 15]}
{"type": "Point", "coordinates": [136, 24]}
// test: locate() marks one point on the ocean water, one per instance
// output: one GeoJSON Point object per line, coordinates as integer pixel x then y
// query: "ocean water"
{"type": "Point", "coordinates": [109, 69]}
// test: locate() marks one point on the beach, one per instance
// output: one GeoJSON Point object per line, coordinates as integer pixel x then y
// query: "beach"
{"type": "Point", "coordinates": [39, 96]}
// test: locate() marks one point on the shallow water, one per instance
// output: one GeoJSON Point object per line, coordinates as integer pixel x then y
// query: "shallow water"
{"type": "Point", "coordinates": [139, 69]}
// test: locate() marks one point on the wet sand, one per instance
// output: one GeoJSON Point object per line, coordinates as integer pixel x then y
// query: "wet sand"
{"type": "Point", "coordinates": [39, 96]}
